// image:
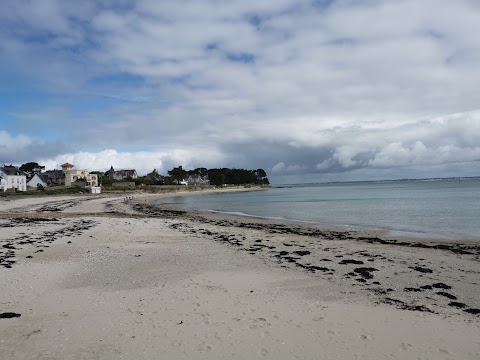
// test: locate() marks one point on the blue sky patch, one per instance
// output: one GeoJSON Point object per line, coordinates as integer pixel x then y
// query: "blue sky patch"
{"type": "Point", "coordinates": [241, 57]}
{"type": "Point", "coordinates": [116, 79]}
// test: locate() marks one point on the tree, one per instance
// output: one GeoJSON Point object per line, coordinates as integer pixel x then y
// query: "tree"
{"type": "Point", "coordinates": [200, 171]}
{"type": "Point", "coordinates": [262, 176]}
{"type": "Point", "coordinates": [167, 180]}
{"type": "Point", "coordinates": [261, 173]}
{"type": "Point", "coordinates": [178, 174]}
{"type": "Point", "coordinates": [30, 167]}
{"type": "Point", "coordinates": [100, 174]}
{"type": "Point", "coordinates": [139, 180]}
{"type": "Point", "coordinates": [217, 177]}
{"type": "Point", "coordinates": [153, 178]}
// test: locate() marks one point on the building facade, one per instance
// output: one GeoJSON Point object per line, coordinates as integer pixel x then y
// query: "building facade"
{"type": "Point", "coordinates": [80, 176]}
{"type": "Point", "coordinates": [3, 184]}
{"type": "Point", "coordinates": [38, 179]}
{"type": "Point", "coordinates": [12, 178]}
{"type": "Point", "coordinates": [55, 177]}
{"type": "Point", "coordinates": [121, 174]}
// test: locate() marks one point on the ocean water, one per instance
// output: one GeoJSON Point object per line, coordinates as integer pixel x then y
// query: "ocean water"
{"type": "Point", "coordinates": [443, 208]}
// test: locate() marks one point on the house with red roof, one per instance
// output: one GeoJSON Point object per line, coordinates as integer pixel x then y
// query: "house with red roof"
{"type": "Point", "coordinates": [80, 177]}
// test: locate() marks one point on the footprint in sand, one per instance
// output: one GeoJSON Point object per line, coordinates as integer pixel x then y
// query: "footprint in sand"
{"type": "Point", "coordinates": [405, 346]}
{"type": "Point", "coordinates": [265, 334]}
{"type": "Point", "coordinates": [263, 352]}
{"type": "Point", "coordinates": [204, 348]}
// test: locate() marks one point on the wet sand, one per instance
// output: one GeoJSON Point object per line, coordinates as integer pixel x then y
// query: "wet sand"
{"type": "Point", "coordinates": [98, 277]}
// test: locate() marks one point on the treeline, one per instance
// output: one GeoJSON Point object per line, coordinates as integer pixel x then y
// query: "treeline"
{"type": "Point", "coordinates": [220, 177]}
{"type": "Point", "coordinates": [223, 176]}
{"type": "Point", "coordinates": [217, 177]}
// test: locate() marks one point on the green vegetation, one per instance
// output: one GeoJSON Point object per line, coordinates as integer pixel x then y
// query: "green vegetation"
{"type": "Point", "coordinates": [30, 167]}
{"type": "Point", "coordinates": [102, 178]}
{"type": "Point", "coordinates": [178, 174]}
{"type": "Point", "coordinates": [220, 177]}
{"type": "Point", "coordinates": [217, 177]}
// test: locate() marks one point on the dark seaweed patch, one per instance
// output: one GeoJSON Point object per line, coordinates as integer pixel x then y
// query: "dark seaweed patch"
{"type": "Point", "coordinates": [9, 315]}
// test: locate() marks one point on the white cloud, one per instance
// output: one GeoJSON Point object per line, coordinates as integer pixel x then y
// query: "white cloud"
{"type": "Point", "coordinates": [282, 168]}
{"type": "Point", "coordinates": [325, 164]}
{"type": "Point", "coordinates": [13, 143]}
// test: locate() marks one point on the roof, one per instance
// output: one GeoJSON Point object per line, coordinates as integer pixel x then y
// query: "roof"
{"type": "Point", "coordinates": [43, 177]}
{"type": "Point", "coordinates": [54, 174]}
{"type": "Point", "coordinates": [67, 165]}
{"type": "Point", "coordinates": [198, 176]}
{"type": "Point", "coordinates": [126, 171]}
{"type": "Point", "coordinates": [154, 177]}
{"type": "Point", "coordinates": [11, 170]}
{"type": "Point", "coordinates": [121, 172]}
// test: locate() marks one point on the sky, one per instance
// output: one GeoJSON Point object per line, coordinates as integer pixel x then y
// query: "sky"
{"type": "Point", "coordinates": [310, 91]}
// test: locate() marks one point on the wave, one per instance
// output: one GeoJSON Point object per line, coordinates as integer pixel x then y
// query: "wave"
{"type": "Point", "coordinates": [238, 213]}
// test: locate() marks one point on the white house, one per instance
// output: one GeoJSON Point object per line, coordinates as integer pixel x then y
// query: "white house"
{"type": "Point", "coordinates": [13, 178]}
{"type": "Point", "coordinates": [197, 179]}
{"type": "Point", "coordinates": [38, 179]}
{"type": "Point", "coordinates": [3, 184]}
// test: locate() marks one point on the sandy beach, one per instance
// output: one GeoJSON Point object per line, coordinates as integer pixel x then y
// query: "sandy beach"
{"type": "Point", "coordinates": [101, 277]}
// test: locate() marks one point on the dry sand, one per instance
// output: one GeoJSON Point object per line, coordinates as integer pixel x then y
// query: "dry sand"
{"type": "Point", "coordinates": [103, 278]}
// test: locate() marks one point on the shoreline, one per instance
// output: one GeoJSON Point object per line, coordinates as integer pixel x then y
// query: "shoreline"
{"type": "Point", "coordinates": [109, 277]}
{"type": "Point", "coordinates": [368, 231]}
{"type": "Point", "coordinates": [385, 233]}
{"type": "Point", "coordinates": [417, 250]}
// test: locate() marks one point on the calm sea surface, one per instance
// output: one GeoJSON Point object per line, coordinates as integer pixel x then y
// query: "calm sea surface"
{"type": "Point", "coordinates": [427, 208]}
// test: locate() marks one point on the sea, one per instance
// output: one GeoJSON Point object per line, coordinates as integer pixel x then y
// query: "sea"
{"type": "Point", "coordinates": [433, 208]}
